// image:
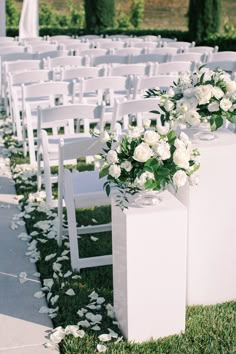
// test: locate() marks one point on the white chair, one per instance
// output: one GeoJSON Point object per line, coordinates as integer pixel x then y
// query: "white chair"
{"type": "Point", "coordinates": [62, 61]}
{"type": "Point", "coordinates": [76, 45]}
{"type": "Point", "coordinates": [164, 50]}
{"type": "Point", "coordinates": [81, 190]}
{"type": "Point", "coordinates": [162, 82]}
{"type": "Point", "coordinates": [80, 72]}
{"type": "Point", "coordinates": [151, 38]}
{"type": "Point", "coordinates": [226, 65]}
{"type": "Point", "coordinates": [101, 89]}
{"type": "Point", "coordinates": [179, 44]}
{"type": "Point", "coordinates": [126, 112]}
{"type": "Point", "coordinates": [55, 118]}
{"type": "Point", "coordinates": [46, 94]}
{"type": "Point", "coordinates": [92, 52]}
{"type": "Point", "coordinates": [12, 50]}
{"type": "Point", "coordinates": [202, 49]}
{"type": "Point", "coordinates": [35, 48]}
{"type": "Point", "coordinates": [141, 69]}
{"type": "Point", "coordinates": [113, 45]}
{"type": "Point", "coordinates": [128, 51]}
{"type": "Point", "coordinates": [173, 67]}
{"type": "Point", "coordinates": [109, 59]}
{"type": "Point", "coordinates": [145, 45]}
{"type": "Point", "coordinates": [146, 58]}
{"type": "Point", "coordinates": [51, 54]}
{"type": "Point", "coordinates": [194, 57]}
{"type": "Point", "coordinates": [222, 56]}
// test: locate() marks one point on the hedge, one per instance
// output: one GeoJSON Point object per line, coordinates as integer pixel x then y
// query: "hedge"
{"type": "Point", "coordinates": [225, 42]}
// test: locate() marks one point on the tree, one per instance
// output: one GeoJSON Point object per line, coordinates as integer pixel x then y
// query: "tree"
{"type": "Point", "coordinates": [204, 18]}
{"type": "Point", "coordinates": [12, 14]}
{"type": "Point", "coordinates": [99, 14]}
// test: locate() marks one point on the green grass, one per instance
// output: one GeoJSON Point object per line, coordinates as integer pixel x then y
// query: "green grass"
{"type": "Point", "coordinates": [209, 329]}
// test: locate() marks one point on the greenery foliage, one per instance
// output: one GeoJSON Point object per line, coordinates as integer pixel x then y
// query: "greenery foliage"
{"type": "Point", "coordinates": [204, 18]}
{"type": "Point", "coordinates": [137, 12]}
{"type": "Point", "coordinates": [99, 14]}
{"type": "Point", "coordinates": [12, 14]}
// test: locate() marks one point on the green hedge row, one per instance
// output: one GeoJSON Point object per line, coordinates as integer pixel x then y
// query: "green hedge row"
{"type": "Point", "coordinates": [225, 42]}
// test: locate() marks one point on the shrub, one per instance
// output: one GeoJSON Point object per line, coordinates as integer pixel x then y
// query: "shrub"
{"type": "Point", "coordinates": [12, 14]}
{"type": "Point", "coordinates": [204, 18]}
{"type": "Point", "coordinates": [99, 14]}
{"type": "Point", "coordinates": [137, 12]}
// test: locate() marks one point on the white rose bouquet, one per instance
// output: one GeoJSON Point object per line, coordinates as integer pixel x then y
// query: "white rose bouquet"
{"type": "Point", "coordinates": [202, 96]}
{"type": "Point", "coordinates": [146, 159]}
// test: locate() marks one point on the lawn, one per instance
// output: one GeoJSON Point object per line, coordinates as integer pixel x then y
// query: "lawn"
{"type": "Point", "coordinates": [86, 298]}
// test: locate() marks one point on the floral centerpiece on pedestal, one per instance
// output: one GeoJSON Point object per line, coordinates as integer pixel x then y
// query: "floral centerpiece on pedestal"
{"type": "Point", "coordinates": [202, 96]}
{"type": "Point", "coordinates": [145, 159]}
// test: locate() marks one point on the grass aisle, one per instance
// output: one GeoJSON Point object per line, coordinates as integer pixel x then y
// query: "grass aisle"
{"type": "Point", "coordinates": [80, 305]}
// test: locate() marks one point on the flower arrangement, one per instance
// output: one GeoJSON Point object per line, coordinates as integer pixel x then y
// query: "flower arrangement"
{"type": "Point", "coordinates": [146, 159]}
{"type": "Point", "coordinates": [204, 96]}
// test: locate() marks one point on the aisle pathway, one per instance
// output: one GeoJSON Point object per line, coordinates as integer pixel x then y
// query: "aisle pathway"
{"type": "Point", "coordinates": [23, 330]}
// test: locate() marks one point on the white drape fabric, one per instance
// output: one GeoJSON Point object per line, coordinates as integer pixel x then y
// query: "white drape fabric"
{"type": "Point", "coordinates": [29, 26]}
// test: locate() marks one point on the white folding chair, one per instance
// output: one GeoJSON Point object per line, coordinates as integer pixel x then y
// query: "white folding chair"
{"type": "Point", "coordinates": [162, 82]}
{"type": "Point", "coordinates": [194, 57]}
{"type": "Point", "coordinates": [163, 50]}
{"type": "Point", "coordinates": [101, 89]}
{"type": "Point", "coordinates": [109, 59]}
{"type": "Point", "coordinates": [81, 190]}
{"type": "Point", "coordinates": [128, 51]}
{"type": "Point", "coordinates": [55, 118]}
{"type": "Point", "coordinates": [222, 56]}
{"type": "Point", "coordinates": [202, 49]}
{"type": "Point", "coordinates": [178, 44]}
{"type": "Point", "coordinates": [146, 58]}
{"type": "Point", "coordinates": [173, 67]}
{"type": "Point", "coordinates": [63, 61]}
{"type": "Point", "coordinates": [80, 72]}
{"type": "Point", "coordinates": [226, 65]}
{"type": "Point", "coordinates": [125, 112]}
{"type": "Point", "coordinates": [46, 94]}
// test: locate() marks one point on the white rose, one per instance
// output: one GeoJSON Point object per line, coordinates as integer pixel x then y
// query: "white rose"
{"type": "Point", "coordinates": [231, 86]}
{"type": "Point", "coordinates": [181, 158]}
{"type": "Point", "coordinates": [225, 104]}
{"type": "Point", "coordinates": [217, 92]}
{"type": "Point", "coordinates": [170, 92]}
{"type": "Point", "coordinates": [169, 105]}
{"type": "Point", "coordinates": [139, 182]}
{"type": "Point", "coordinates": [115, 171]}
{"type": "Point", "coordinates": [127, 166]}
{"type": "Point", "coordinates": [204, 93]}
{"type": "Point", "coordinates": [179, 144]}
{"type": "Point", "coordinates": [146, 122]}
{"type": "Point", "coordinates": [163, 150]}
{"type": "Point", "coordinates": [192, 118]}
{"type": "Point", "coordinates": [213, 107]}
{"type": "Point", "coordinates": [142, 152]}
{"type": "Point", "coordinates": [184, 137]}
{"type": "Point", "coordinates": [180, 178]}
{"type": "Point", "coordinates": [151, 137]}
{"type": "Point", "coordinates": [112, 156]}
{"type": "Point", "coordinates": [188, 93]}
{"type": "Point", "coordinates": [135, 132]}
{"type": "Point", "coordinates": [104, 136]}
{"type": "Point", "coordinates": [163, 129]}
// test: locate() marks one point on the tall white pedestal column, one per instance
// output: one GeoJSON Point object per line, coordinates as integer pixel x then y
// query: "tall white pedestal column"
{"type": "Point", "coordinates": [211, 206]}
{"type": "Point", "coordinates": [149, 269]}
{"type": "Point", "coordinates": [2, 18]}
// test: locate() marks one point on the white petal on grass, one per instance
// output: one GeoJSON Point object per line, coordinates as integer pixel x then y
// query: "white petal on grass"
{"type": "Point", "coordinates": [95, 221]}
{"type": "Point", "coordinates": [100, 300]}
{"type": "Point", "coordinates": [56, 267]}
{"type": "Point", "coordinates": [101, 348]}
{"type": "Point", "coordinates": [42, 240]}
{"type": "Point", "coordinates": [65, 252]}
{"type": "Point", "coordinates": [23, 277]}
{"type": "Point", "coordinates": [104, 337]}
{"type": "Point", "coordinates": [54, 299]}
{"type": "Point", "coordinates": [84, 323]}
{"type": "Point", "coordinates": [112, 333]}
{"type": "Point", "coordinates": [48, 283]}
{"type": "Point", "coordinates": [49, 296]}
{"type": "Point", "coordinates": [81, 312]}
{"type": "Point", "coordinates": [44, 309]}
{"type": "Point", "coordinates": [67, 274]}
{"type": "Point", "coordinates": [92, 307]}
{"type": "Point", "coordinates": [70, 292]}
{"type": "Point", "coordinates": [96, 328]}
{"type": "Point", "coordinates": [51, 310]}
{"type": "Point", "coordinates": [49, 257]}
{"type": "Point", "coordinates": [39, 294]}
{"type": "Point", "coordinates": [57, 336]}
{"type": "Point", "coordinates": [119, 339]}
{"type": "Point", "coordinates": [76, 276]}
{"type": "Point", "coordinates": [93, 296]}
{"type": "Point", "coordinates": [20, 222]}
{"type": "Point", "coordinates": [93, 238]}
{"type": "Point", "coordinates": [52, 315]}
{"type": "Point", "coordinates": [75, 331]}
{"type": "Point", "coordinates": [34, 233]}
{"type": "Point", "coordinates": [93, 318]}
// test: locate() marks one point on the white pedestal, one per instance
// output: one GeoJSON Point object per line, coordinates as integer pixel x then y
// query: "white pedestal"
{"type": "Point", "coordinates": [149, 269]}
{"type": "Point", "coordinates": [211, 206]}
